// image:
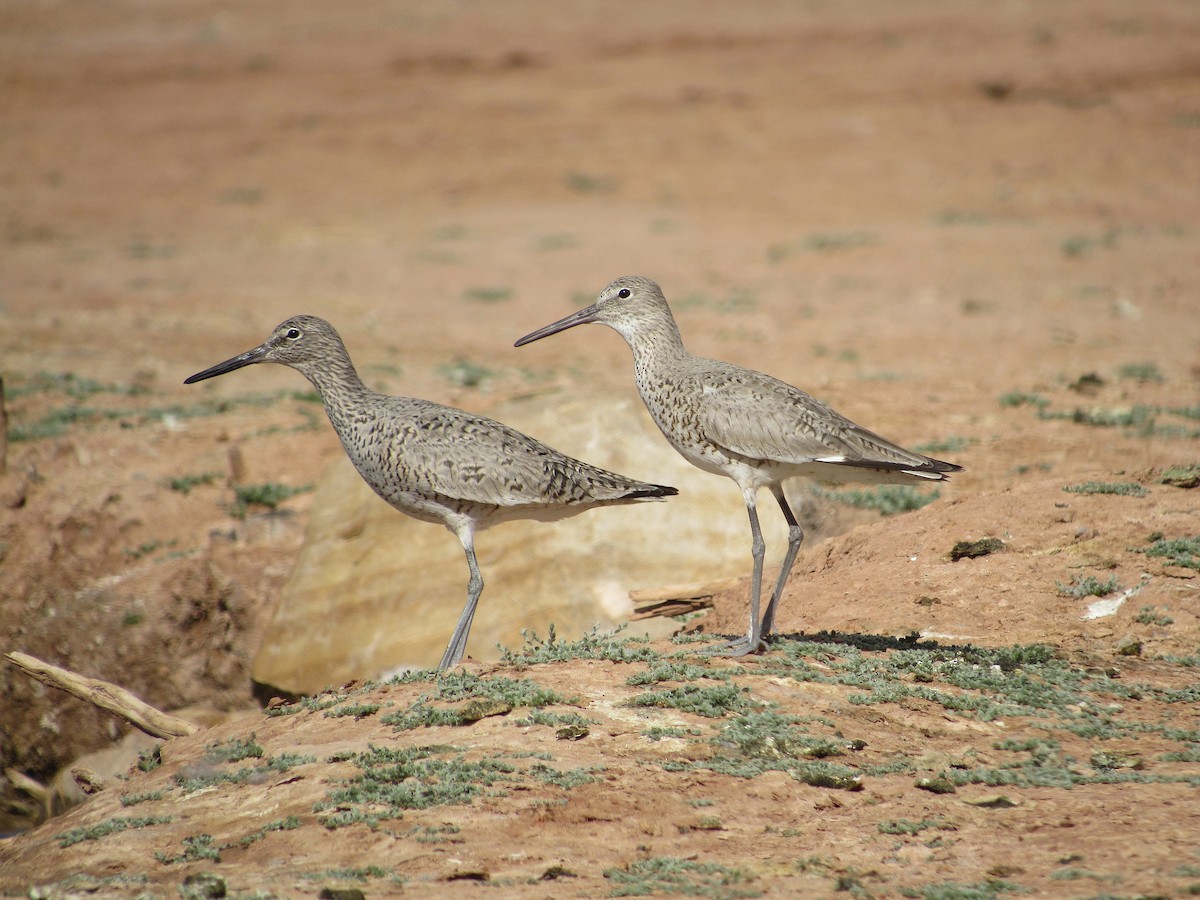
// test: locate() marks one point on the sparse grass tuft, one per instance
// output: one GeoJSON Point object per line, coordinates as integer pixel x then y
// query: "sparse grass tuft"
{"type": "Point", "coordinates": [487, 294]}
{"type": "Point", "coordinates": [1022, 398]}
{"type": "Point", "coordinates": [946, 445]}
{"type": "Point", "coordinates": [269, 495]}
{"type": "Point", "coordinates": [820, 242]}
{"type": "Point", "coordinates": [1177, 552]}
{"type": "Point", "coordinates": [1121, 488]}
{"type": "Point", "coordinates": [593, 645]}
{"type": "Point", "coordinates": [149, 760]}
{"type": "Point", "coordinates": [670, 875]}
{"type": "Point", "coordinates": [233, 750]}
{"type": "Point", "coordinates": [195, 848]}
{"type": "Point", "coordinates": [585, 183]}
{"type": "Point", "coordinates": [1148, 615]}
{"type": "Point", "coordinates": [184, 483]}
{"type": "Point", "coordinates": [464, 373]}
{"type": "Point", "coordinates": [888, 499]}
{"type": "Point", "coordinates": [107, 827]}
{"type": "Point", "coordinates": [1144, 371]}
{"type": "Point", "coordinates": [711, 702]}
{"type": "Point", "coordinates": [1088, 586]}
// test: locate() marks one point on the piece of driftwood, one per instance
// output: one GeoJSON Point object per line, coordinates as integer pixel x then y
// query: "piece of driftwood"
{"type": "Point", "coordinates": [106, 696]}
{"type": "Point", "coordinates": [677, 599]}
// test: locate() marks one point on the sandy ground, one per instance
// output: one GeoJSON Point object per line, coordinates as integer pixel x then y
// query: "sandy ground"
{"type": "Point", "coordinates": [912, 211]}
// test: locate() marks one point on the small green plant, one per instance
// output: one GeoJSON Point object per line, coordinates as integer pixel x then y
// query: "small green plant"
{"type": "Point", "coordinates": [269, 495]}
{"type": "Point", "coordinates": [593, 645]}
{"type": "Point", "coordinates": [1148, 615]}
{"type": "Point", "coordinates": [197, 778]}
{"type": "Point", "coordinates": [197, 847]}
{"type": "Point", "coordinates": [670, 875]}
{"type": "Point", "coordinates": [953, 890]}
{"type": "Point", "coordinates": [289, 824]}
{"type": "Point", "coordinates": [358, 710]}
{"type": "Point", "coordinates": [819, 242]}
{"type": "Point", "coordinates": [1177, 552]}
{"type": "Point", "coordinates": [1089, 586]}
{"type": "Point", "coordinates": [1144, 371]}
{"type": "Point", "coordinates": [1121, 488]}
{"type": "Point", "coordinates": [585, 183]}
{"type": "Point", "coordinates": [184, 483]}
{"type": "Point", "coordinates": [394, 779]}
{"type": "Point", "coordinates": [140, 248]}
{"type": "Point", "coordinates": [233, 750]}
{"type": "Point", "coordinates": [907, 826]}
{"type": "Point", "coordinates": [889, 500]}
{"type": "Point", "coordinates": [711, 702]}
{"type": "Point", "coordinates": [1022, 398]}
{"type": "Point", "coordinates": [107, 827]}
{"type": "Point", "coordinates": [135, 799]}
{"type": "Point", "coordinates": [354, 873]}
{"type": "Point", "coordinates": [487, 294]}
{"type": "Point", "coordinates": [1084, 244]}
{"type": "Point", "coordinates": [677, 670]}
{"type": "Point", "coordinates": [149, 760]}
{"type": "Point", "coordinates": [464, 373]}
{"type": "Point", "coordinates": [945, 445]}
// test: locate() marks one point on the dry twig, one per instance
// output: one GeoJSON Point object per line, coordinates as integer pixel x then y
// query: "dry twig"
{"type": "Point", "coordinates": [106, 696]}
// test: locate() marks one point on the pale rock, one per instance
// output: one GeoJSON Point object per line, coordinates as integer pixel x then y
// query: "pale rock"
{"type": "Point", "coordinates": [374, 591]}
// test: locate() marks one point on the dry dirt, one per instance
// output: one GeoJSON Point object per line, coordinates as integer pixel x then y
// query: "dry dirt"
{"type": "Point", "coordinates": [910, 210]}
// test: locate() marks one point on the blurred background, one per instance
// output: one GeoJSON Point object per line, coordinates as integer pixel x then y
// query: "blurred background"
{"type": "Point", "coordinates": [970, 227]}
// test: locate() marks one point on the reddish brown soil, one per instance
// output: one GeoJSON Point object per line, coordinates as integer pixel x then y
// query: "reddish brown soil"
{"type": "Point", "coordinates": [908, 209]}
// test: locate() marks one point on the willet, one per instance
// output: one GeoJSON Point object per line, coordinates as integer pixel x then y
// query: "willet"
{"type": "Point", "coordinates": [743, 424]}
{"type": "Point", "coordinates": [437, 463]}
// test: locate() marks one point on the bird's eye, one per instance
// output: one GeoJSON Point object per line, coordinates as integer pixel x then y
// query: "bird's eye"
{"type": "Point", "coordinates": [293, 334]}
{"type": "Point", "coordinates": [623, 293]}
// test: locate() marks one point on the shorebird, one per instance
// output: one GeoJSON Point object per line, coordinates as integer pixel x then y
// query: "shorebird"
{"type": "Point", "coordinates": [742, 424]}
{"type": "Point", "coordinates": [437, 463]}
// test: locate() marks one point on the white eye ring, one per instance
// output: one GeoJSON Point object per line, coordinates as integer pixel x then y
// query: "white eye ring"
{"type": "Point", "coordinates": [293, 334]}
{"type": "Point", "coordinates": [623, 293]}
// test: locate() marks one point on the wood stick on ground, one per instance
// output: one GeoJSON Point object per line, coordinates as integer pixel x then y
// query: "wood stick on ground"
{"type": "Point", "coordinates": [677, 599]}
{"type": "Point", "coordinates": [106, 696]}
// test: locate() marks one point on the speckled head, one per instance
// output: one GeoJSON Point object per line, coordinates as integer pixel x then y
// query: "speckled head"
{"type": "Point", "coordinates": [628, 305]}
{"type": "Point", "coordinates": [296, 342]}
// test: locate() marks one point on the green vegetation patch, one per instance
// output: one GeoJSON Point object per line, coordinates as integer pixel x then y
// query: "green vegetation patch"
{"type": "Point", "coordinates": [394, 779]}
{"type": "Point", "coordinates": [711, 702]}
{"type": "Point", "coordinates": [74, 413]}
{"type": "Point", "coordinates": [1176, 552]}
{"type": "Point", "coordinates": [593, 645]}
{"type": "Point", "coordinates": [680, 877]}
{"type": "Point", "coordinates": [888, 499]}
{"type": "Point", "coordinates": [269, 495]}
{"type": "Point", "coordinates": [1089, 586]}
{"type": "Point", "coordinates": [1121, 488]}
{"type": "Point", "coordinates": [473, 698]}
{"type": "Point", "coordinates": [209, 772]}
{"type": "Point", "coordinates": [108, 826]}
{"type": "Point", "coordinates": [1186, 477]}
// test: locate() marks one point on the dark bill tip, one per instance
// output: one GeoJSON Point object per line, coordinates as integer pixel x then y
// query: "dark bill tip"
{"type": "Point", "coordinates": [583, 317]}
{"type": "Point", "coordinates": [246, 359]}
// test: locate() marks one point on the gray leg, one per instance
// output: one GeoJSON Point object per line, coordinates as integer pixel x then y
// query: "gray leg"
{"type": "Point", "coordinates": [457, 647]}
{"type": "Point", "coordinates": [758, 550]}
{"type": "Point", "coordinates": [795, 537]}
